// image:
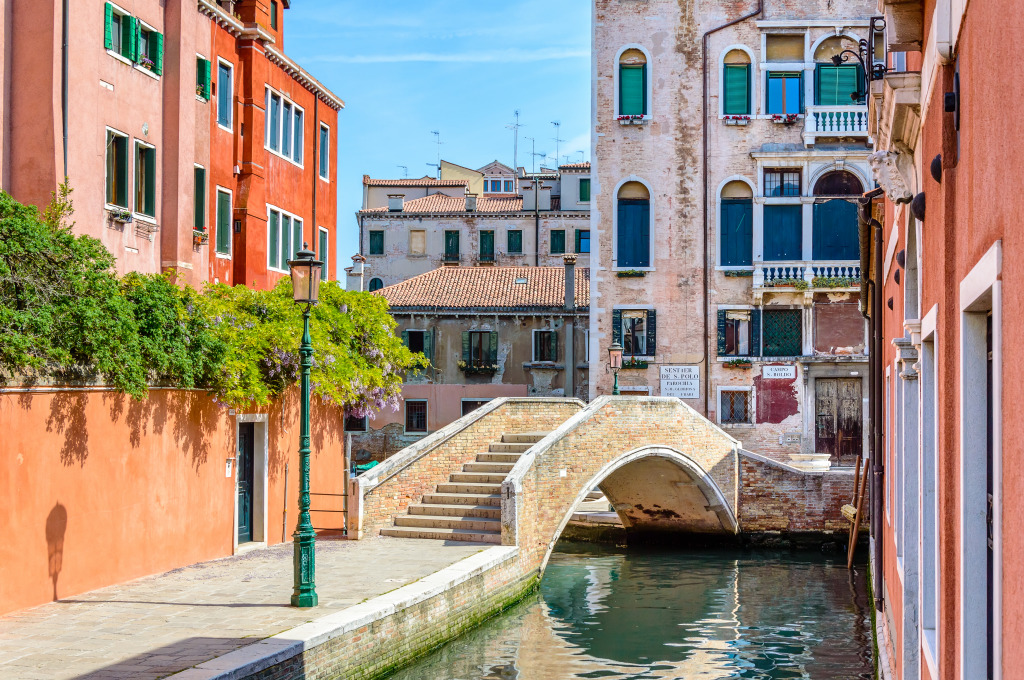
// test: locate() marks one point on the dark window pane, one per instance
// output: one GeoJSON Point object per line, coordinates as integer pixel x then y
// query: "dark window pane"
{"type": "Point", "coordinates": [376, 284]}
{"type": "Point", "coordinates": [223, 222]}
{"type": "Point", "coordinates": [415, 416]}
{"type": "Point", "coordinates": [582, 240]}
{"type": "Point", "coordinates": [783, 335]}
{"type": "Point", "coordinates": [376, 243]}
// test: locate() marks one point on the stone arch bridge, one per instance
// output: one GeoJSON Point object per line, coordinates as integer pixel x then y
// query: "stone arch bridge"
{"type": "Point", "coordinates": [663, 466]}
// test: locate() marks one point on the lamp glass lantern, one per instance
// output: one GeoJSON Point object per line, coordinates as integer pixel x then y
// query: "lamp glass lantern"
{"type": "Point", "coordinates": [306, 271]}
{"type": "Point", "coordinates": [615, 356]}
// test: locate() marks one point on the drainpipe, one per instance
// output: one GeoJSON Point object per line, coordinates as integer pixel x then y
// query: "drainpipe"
{"type": "Point", "coordinates": [570, 311]}
{"type": "Point", "coordinates": [707, 226]}
{"type": "Point", "coordinates": [316, 173]}
{"type": "Point", "coordinates": [536, 223]}
{"type": "Point", "coordinates": [64, 83]}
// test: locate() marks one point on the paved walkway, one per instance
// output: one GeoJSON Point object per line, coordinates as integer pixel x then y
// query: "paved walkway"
{"type": "Point", "coordinates": [159, 625]}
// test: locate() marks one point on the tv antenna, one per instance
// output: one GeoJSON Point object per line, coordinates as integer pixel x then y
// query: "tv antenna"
{"type": "Point", "coordinates": [558, 125]}
{"type": "Point", "coordinates": [515, 140]}
{"type": "Point", "coordinates": [582, 155]}
{"type": "Point", "coordinates": [534, 153]}
{"type": "Point", "coordinates": [437, 167]}
{"type": "Point", "coordinates": [437, 138]}
{"type": "Point", "coordinates": [405, 170]}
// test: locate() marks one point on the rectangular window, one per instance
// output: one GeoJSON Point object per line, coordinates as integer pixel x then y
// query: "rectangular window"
{"type": "Point", "coordinates": [509, 186]}
{"type": "Point", "coordinates": [480, 348]}
{"type": "Point", "coordinates": [376, 242]}
{"type": "Point", "coordinates": [737, 333]}
{"type": "Point", "coordinates": [418, 242]}
{"type": "Point", "coordinates": [515, 241]}
{"type": "Point", "coordinates": [582, 240]}
{"type": "Point", "coordinates": [737, 232]}
{"type": "Point", "coordinates": [557, 241]}
{"type": "Point", "coordinates": [225, 95]}
{"type": "Point", "coordinates": [323, 250]}
{"type": "Point", "coordinates": [284, 126]}
{"type": "Point", "coordinates": [145, 180]}
{"type": "Point", "coordinates": [273, 121]}
{"type": "Point", "coordinates": [451, 246]}
{"type": "Point", "coordinates": [325, 151]}
{"type": "Point", "coordinates": [120, 33]}
{"type": "Point", "coordinates": [838, 85]}
{"type": "Point", "coordinates": [632, 89]}
{"type": "Point", "coordinates": [585, 190]}
{"type": "Point", "coordinates": [223, 222]}
{"type": "Point", "coordinates": [781, 182]}
{"type": "Point", "coordinates": [635, 333]}
{"type": "Point", "coordinates": [470, 405]}
{"type": "Point", "coordinates": [199, 194]}
{"type": "Point", "coordinates": [298, 138]}
{"type": "Point", "coordinates": [273, 18]}
{"type": "Point", "coordinates": [783, 232]}
{"type": "Point", "coordinates": [415, 416]}
{"type": "Point", "coordinates": [354, 423]}
{"type": "Point", "coordinates": [284, 238]}
{"type": "Point", "coordinates": [117, 169]}
{"type": "Point", "coordinates": [545, 345]}
{"type": "Point", "coordinates": [785, 92]}
{"type": "Point", "coordinates": [487, 246]}
{"type": "Point", "coordinates": [414, 340]}
{"type": "Point", "coordinates": [734, 407]}
{"type": "Point", "coordinates": [203, 78]}
{"type": "Point", "coordinates": [736, 90]}
{"type": "Point", "coordinates": [783, 332]}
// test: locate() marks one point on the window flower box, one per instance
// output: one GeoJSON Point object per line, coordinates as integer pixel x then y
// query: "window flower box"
{"type": "Point", "coordinates": [784, 118]}
{"type": "Point", "coordinates": [633, 363]}
{"type": "Point", "coordinates": [799, 284]}
{"type": "Point", "coordinates": [200, 237]}
{"type": "Point", "coordinates": [736, 120]}
{"type": "Point", "coordinates": [738, 363]}
{"type": "Point", "coordinates": [631, 274]}
{"type": "Point", "coordinates": [146, 63]}
{"type": "Point", "coordinates": [120, 215]}
{"type": "Point", "coordinates": [481, 369]}
{"type": "Point", "coordinates": [835, 282]}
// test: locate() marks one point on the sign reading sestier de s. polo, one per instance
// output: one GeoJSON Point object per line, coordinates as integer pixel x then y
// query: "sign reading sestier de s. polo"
{"type": "Point", "coordinates": [680, 381]}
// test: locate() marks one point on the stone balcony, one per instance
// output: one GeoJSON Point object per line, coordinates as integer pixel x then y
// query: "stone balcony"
{"type": "Point", "coordinates": [835, 121]}
{"type": "Point", "coordinates": [805, 276]}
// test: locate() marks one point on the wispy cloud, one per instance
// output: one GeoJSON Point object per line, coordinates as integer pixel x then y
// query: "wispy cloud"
{"type": "Point", "coordinates": [509, 56]}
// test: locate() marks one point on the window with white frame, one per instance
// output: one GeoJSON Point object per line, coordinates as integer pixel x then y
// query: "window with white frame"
{"type": "Point", "coordinates": [223, 243]}
{"type": "Point", "coordinates": [284, 127]}
{"type": "Point", "coordinates": [323, 251]}
{"type": "Point", "coordinates": [145, 179]}
{"type": "Point", "coordinates": [735, 407]}
{"type": "Point", "coordinates": [929, 504]}
{"type": "Point", "coordinates": [284, 238]}
{"type": "Point", "coordinates": [415, 415]}
{"type": "Point", "coordinates": [325, 151]}
{"type": "Point", "coordinates": [117, 168]}
{"type": "Point", "coordinates": [199, 197]}
{"type": "Point", "coordinates": [225, 94]}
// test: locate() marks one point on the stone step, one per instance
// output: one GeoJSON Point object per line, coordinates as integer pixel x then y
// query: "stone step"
{"type": "Point", "coordinates": [509, 448]}
{"type": "Point", "coordinates": [439, 498]}
{"type": "Point", "coordinates": [467, 488]}
{"type": "Point", "coordinates": [444, 534]}
{"type": "Point", "coordinates": [503, 468]}
{"type": "Point", "coordinates": [523, 437]}
{"type": "Point", "coordinates": [448, 522]}
{"type": "Point", "coordinates": [497, 457]}
{"type": "Point", "coordinates": [478, 477]}
{"type": "Point", "coordinates": [436, 509]}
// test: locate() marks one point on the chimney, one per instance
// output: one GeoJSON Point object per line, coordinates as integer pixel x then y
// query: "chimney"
{"type": "Point", "coordinates": [470, 202]}
{"type": "Point", "coordinates": [395, 202]}
{"type": "Point", "coordinates": [570, 281]}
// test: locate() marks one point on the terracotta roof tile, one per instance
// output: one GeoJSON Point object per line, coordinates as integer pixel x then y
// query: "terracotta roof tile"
{"type": "Point", "coordinates": [575, 166]}
{"type": "Point", "coordinates": [440, 203]}
{"type": "Point", "coordinates": [488, 287]}
{"type": "Point", "coordinates": [418, 182]}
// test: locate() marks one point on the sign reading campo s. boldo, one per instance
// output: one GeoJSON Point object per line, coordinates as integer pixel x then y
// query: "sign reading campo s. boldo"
{"type": "Point", "coordinates": [680, 381]}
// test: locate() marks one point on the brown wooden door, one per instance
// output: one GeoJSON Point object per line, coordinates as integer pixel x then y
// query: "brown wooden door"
{"type": "Point", "coordinates": [838, 418]}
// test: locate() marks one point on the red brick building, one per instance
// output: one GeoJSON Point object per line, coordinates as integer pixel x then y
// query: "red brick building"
{"type": "Point", "coordinates": [945, 237]}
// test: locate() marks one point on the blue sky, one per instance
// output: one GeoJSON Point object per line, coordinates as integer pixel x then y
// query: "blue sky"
{"type": "Point", "coordinates": [461, 68]}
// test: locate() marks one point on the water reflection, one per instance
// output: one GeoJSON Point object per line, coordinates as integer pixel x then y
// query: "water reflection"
{"type": "Point", "coordinates": [707, 614]}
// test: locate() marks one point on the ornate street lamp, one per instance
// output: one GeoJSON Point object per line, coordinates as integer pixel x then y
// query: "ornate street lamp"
{"type": "Point", "coordinates": [306, 272]}
{"type": "Point", "coordinates": [615, 362]}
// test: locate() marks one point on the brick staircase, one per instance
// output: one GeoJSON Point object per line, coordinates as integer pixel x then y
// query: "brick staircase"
{"type": "Point", "coordinates": [468, 506]}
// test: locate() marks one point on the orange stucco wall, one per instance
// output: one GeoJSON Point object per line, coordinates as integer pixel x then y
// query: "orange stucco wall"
{"type": "Point", "coordinates": [96, 488]}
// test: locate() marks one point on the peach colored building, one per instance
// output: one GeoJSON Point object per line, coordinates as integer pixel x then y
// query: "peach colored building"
{"type": "Point", "coordinates": [141, 104]}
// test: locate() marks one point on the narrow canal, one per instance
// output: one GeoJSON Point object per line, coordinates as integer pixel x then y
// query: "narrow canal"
{"type": "Point", "coordinates": [718, 613]}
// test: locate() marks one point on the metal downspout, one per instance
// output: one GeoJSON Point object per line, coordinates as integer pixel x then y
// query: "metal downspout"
{"type": "Point", "coordinates": [316, 172]}
{"type": "Point", "coordinates": [64, 83]}
{"type": "Point", "coordinates": [536, 222]}
{"type": "Point", "coordinates": [707, 225]}
{"type": "Point", "coordinates": [877, 466]}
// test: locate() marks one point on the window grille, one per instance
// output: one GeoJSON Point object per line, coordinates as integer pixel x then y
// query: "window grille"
{"type": "Point", "coordinates": [782, 332]}
{"type": "Point", "coordinates": [781, 182]}
{"type": "Point", "coordinates": [735, 406]}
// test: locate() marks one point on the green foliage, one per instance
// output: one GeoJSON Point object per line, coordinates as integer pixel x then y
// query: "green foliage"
{"type": "Point", "coordinates": [835, 282]}
{"type": "Point", "coordinates": [799, 284]}
{"type": "Point", "coordinates": [62, 307]}
{"type": "Point", "coordinates": [737, 363]}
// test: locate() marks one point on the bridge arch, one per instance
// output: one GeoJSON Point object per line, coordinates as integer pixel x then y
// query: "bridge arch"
{"type": "Point", "coordinates": [702, 492]}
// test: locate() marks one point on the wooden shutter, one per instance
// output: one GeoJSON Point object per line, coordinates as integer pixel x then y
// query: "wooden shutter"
{"type": "Point", "coordinates": [835, 231]}
{"type": "Point", "coordinates": [783, 237]}
{"type": "Point", "coordinates": [199, 217]}
{"type": "Point", "coordinates": [553, 345]}
{"type": "Point", "coordinates": [297, 243]}
{"type": "Point", "coordinates": [405, 338]}
{"type": "Point", "coordinates": [156, 49]}
{"type": "Point", "coordinates": [736, 89]}
{"type": "Point", "coordinates": [274, 241]}
{"type": "Point", "coordinates": [465, 347]}
{"type": "Point", "coordinates": [652, 332]}
{"type": "Point", "coordinates": [737, 231]}
{"type": "Point", "coordinates": [428, 344]}
{"type": "Point", "coordinates": [492, 354]}
{"type": "Point", "coordinates": [149, 188]}
{"type": "Point", "coordinates": [633, 233]}
{"type": "Point", "coordinates": [121, 152]}
{"type": "Point", "coordinates": [207, 79]}
{"type": "Point", "coordinates": [833, 85]}
{"type": "Point", "coordinates": [721, 332]}
{"type": "Point", "coordinates": [487, 245]}
{"type": "Point", "coordinates": [223, 222]}
{"type": "Point", "coordinates": [584, 190]}
{"type": "Point", "coordinates": [617, 326]}
{"type": "Point", "coordinates": [133, 38]}
{"type": "Point", "coordinates": [755, 332]}
{"type": "Point", "coordinates": [631, 90]}
{"type": "Point", "coordinates": [108, 26]}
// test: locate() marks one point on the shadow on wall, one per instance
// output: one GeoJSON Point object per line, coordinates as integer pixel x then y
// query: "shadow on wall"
{"type": "Point", "coordinates": [67, 417]}
{"type": "Point", "coordinates": [56, 526]}
{"type": "Point", "coordinates": [194, 414]}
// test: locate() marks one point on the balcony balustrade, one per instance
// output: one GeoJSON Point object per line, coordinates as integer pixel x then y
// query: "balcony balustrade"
{"type": "Point", "coordinates": [807, 275]}
{"type": "Point", "coordinates": [835, 121]}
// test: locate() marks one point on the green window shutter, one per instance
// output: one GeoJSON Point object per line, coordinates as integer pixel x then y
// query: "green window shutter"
{"type": "Point", "coordinates": [108, 25]}
{"type": "Point", "coordinates": [133, 38]}
{"type": "Point", "coordinates": [376, 243]}
{"type": "Point", "coordinates": [755, 332]}
{"type": "Point", "coordinates": [274, 238]}
{"type": "Point", "coordinates": [736, 90]}
{"type": "Point", "coordinates": [617, 326]}
{"type": "Point", "coordinates": [405, 338]}
{"type": "Point", "coordinates": [515, 241]}
{"type": "Point", "coordinates": [631, 90]}
{"type": "Point", "coordinates": [223, 222]}
{"type": "Point", "coordinates": [577, 248]}
{"type": "Point", "coordinates": [557, 241]}
{"type": "Point", "coordinates": [721, 332]}
{"type": "Point", "coordinates": [834, 85]}
{"type": "Point", "coordinates": [156, 47]}
{"type": "Point", "coordinates": [652, 332]}
{"type": "Point", "coordinates": [297, 242]}
{"type": "Point", "coordinates": [553, 339]}
{"type": "Point", "coordinates": [737, 234]}
{"type": "Point", "coordinates": [122, 171]}
{"type": "Point", "coordinates": [428, 344]}
{"type": "Point", "coordinates": [492, 354]}
{"type": "Point", "coordinates": [150, 187]}
{"type": "Point", "coordinates": [199, 189]}
{"type": "Point", "coordinates": [486, 245]}
{"type": "Point", "coordinates": [465, 346]}
{"type": "Point", "coordinates": [207, 79]}
{"type": "Point", "coordinates": [585, 190]}
{"type": "Point", "coordinates": [847, 84]}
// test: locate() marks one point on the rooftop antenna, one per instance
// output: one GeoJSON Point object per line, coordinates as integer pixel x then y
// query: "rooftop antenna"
{"type": "Point", "coordinates": [542, 154]}
{"type": "Point", "coordinates": [437, 138]}
{"type": "Point", "coordinates": [437, 167]}
{"type": "Point", "coordinates": [558, 125]}
{"type": "Point", "coordinates": [515, 140]}
{"type": "Point", "coordinates": [405, 170]}
{"type": "Point", "coordinates": [566, 157]}
{"type": "Point", "coordinates": [582, 155]}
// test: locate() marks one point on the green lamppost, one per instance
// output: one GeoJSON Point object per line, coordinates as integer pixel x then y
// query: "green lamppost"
{"type": "Point", "coordinates": [306, 272]}
{"type": "Point", "coordinates": [615, 361]}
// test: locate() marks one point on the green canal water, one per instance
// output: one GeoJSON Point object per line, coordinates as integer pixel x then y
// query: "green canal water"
{"type": "Point", "coordinates": [718, 613]}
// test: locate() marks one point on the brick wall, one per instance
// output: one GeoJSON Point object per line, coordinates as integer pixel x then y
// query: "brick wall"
{"type": "Point", "coordinates": [774, 498]}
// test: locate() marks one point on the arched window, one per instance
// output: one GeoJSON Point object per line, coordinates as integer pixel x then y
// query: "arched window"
{"type": "Point", "coordinates": [633, 83]}
{"type": "Point", "coordinates": [736, 225]}
{"type": "Point", "coordinates": [837, 85]}
{"type": "Point", "coordinates": [736, 84]}
{"type": "Point", "coordinates": [633, 241]}
{"type": "Point", "coordinates": [376, 284]}
{"type": "Point", "coordinates": [835, 230]}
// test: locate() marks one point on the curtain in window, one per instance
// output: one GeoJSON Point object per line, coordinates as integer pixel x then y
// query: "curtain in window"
{"type": "Point", "coordinates": [737, 231]}
{"type": "Point", "coordinates": [835, 231]}
{"type": "Point", "coordinates": [783, 237]}
{"type": "Point", "coordinates": [736, 89]}
{"type": "Point", "coordinates": [632, 90]}
{"type": "Point", "coordinates": [634, 232]}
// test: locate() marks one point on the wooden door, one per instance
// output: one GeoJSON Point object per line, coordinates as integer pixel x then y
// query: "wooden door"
{"type": "Point", "coordinates": [839, 428]}
{"type": "Point", "coordinates": [246, 449]}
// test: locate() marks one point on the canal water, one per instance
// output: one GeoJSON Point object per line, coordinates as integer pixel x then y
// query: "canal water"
{"type": "Point", "coordinates": [603, 612]}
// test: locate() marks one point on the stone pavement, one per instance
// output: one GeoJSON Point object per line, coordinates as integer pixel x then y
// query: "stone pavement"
{"type": "Point", "coordinates": [159, 625]}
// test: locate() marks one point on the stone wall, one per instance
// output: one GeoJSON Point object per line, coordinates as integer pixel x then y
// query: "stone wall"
{"type": "Point", "coordinates": [775, 497]}
{"type": "Point", "coordinates": [388, 489]}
